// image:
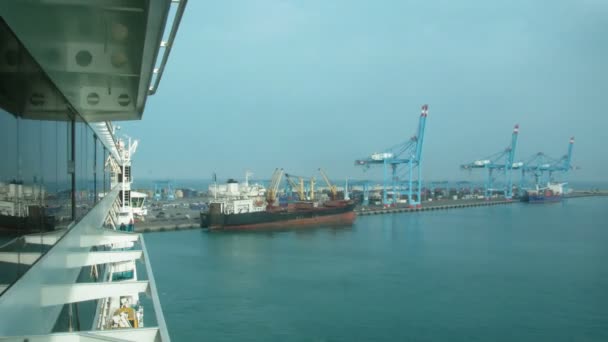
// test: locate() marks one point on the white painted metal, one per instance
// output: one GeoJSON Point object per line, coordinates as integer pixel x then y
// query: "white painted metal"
{"type": "Point", "coordinates": [160, 318]}
{"type": "Point", "coordinates": [25, 258]}
{"type": "Point", "coordinates": [137, 335]}
{"type": "Point", "coordinates": [80, 292]}
{"type": "Point", "coordinates": [107, 237]}
{"type": "Point", "coordinates": [20, 304]}
{"type": "Point", "coordinates": [166, 45]}
{"type": "Point", "coordinates": [104, 131]}
{"type": "Point", "coordinates": [49, 238]}
{"type": "Point", "coordinates": [382, 156]}
{"type": "Point", "coordinates": [97, 258]}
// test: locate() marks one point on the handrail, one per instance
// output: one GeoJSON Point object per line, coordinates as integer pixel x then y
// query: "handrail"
{"type": "Point", "coordinates": [158, 311]}
{"type": "Point", "coordinates": [168, 44]}
{"type": "Point", "coordinates": [20, 304]}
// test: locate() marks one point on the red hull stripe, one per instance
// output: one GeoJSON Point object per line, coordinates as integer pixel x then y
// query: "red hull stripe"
{"type": "Point", "coordinates": [345, 218]}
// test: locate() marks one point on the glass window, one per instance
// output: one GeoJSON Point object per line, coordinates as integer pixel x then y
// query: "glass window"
{"type": "Point", "coordinates": [36, 152]}
{"type": "Point", "coordinates": [85, 169]}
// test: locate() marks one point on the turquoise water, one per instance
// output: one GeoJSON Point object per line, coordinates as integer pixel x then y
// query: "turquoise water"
{"type": "Point", "coordinates": [503, 273]}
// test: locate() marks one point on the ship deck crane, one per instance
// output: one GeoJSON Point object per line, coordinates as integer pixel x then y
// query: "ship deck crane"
{"type": "Point", "coordinates": [409, 156]}
{"type": "Point", "coordinates": [332, 188]}
{"type": "Point", "coordinates": [299, 187]}
{"type": "Point", "coordinates": [502, 162]}
{"type": "Point", "coordinates": [275, 181]}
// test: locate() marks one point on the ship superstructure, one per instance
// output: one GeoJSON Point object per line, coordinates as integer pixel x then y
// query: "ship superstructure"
{"type": "Point", "coordinates": [121, 177]}
{"type": "Point", "coordinates": [233, 189]}
{"type": "Point", "coordinates": [68, 271]}
{"type": "Point", "coordinates": [122, 310]}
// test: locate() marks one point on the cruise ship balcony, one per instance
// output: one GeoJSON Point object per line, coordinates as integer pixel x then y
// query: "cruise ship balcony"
{"type": "Point", "coordinates": [67, 69]}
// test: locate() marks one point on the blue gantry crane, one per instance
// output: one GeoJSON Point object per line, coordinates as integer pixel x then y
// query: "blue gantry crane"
{"type": "Point", "coordinates": [364, 184]}
{"type": "Point", "coordinates": [163, 190]}
{"type": "Point", "coordinates": [565, 163]}
{"type": "Point", "coordinates": [502, 162]}
{"type": "Point", "coordinates": [543, 167]}
{"type": "Point", "coordinates": [409, 156]}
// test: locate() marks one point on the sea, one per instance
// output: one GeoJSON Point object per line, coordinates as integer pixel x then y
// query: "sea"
{"type": "Point", "coordinates": [516, 272]}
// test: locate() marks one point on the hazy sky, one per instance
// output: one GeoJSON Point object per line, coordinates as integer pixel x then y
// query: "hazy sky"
{"type": "Point", "coordinates": [303, 84]}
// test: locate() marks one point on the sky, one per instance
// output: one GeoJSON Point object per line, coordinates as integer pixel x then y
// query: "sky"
{"type": "Point", "coordinates": [256, 85]}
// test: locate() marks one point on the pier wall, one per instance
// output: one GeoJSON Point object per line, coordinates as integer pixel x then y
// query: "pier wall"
{"type": "Point", "coordinates": [182, 224]}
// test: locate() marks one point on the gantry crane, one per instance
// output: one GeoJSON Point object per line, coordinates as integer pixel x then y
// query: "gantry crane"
{"type": "Point", "coordinates": [502, 162]}
{"type": "Point", "coordinates": [275, 181]}
{"type": "Point", "coordinates": [365, 185]}
{"type": "Point", "coordinates": [542, 167]}
{"type": "Point", "coordinates": [164, 190]}
{"type": "Point", "coordinates": [408, 155]}
{"type": "Point", "coordinates": [332, 188]}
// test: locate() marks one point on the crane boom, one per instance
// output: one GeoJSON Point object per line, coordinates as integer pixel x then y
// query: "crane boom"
{"type": "Point", "coordinates": [299, 186]}
{"type": "Point", "coordinates": [271, 194]}
{"type": "Point", "coordinates": [332, 188]}
{"type": "Point", "coordinates": [290, 181]}
{"type": "Point", "coordinates": [420, 135]}
{"type": "Point", "coordinates": [568, 161]}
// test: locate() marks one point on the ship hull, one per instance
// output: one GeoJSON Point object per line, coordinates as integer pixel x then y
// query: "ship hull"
{"type": "Point", "coordinates": [280, 219]}
{"type": "Point", "coordinates": [535, 199]}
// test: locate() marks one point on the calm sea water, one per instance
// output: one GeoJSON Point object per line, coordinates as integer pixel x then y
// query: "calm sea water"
{"type": "Point", "coordinates": [505, 273]}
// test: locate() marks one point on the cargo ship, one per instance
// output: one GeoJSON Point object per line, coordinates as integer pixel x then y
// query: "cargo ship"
{"type": "Point", "coordinates": [553, 192]}
{"type": "Point", "coordinates": [246, 214]}
{"type": "Point", "coordinates": [257, 212]}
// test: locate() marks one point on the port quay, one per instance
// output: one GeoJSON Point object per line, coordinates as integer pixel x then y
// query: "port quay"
{"type": "Point", "coordinates": [180, 222]}
{"type": "Point", "coordinates": [80, 228]}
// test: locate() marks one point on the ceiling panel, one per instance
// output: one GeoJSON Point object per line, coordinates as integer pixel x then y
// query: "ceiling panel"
{"type": "Point", "coordinates": [100, 53]}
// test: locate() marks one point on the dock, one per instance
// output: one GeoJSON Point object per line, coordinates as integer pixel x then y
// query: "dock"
{"type": "Point", "coordinates": [445, 204]}
{"type": "Point", "coordinates": [458, 204]}
{"type": "Point", "coordinates": [429, 206]}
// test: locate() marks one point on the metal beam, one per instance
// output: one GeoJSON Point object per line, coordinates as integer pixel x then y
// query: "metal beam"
{"type": "Point", "coordinates": [160, 318]}
{"type": "Point", "coordinates": [97, 258]}
{"type": "Point", "coordinates": [179, 12]}
{"type": "Point", "coordinates": [107, 237]}
{"type": "Point", "coordinates": [20, 304]}
{"type": "Point", "coordinates": [24, 258]}
{"type": "Point", "coordinates": [49, 238]}
{"type": "Point", "coordinates": [117, 335]}
{"type": "Point", "coordinates": [80, 292]}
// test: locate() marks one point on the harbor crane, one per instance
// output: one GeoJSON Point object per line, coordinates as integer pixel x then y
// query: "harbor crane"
{"type": "Point", "coordinates": [163, 190]}
{"type": "Point", "coordinates": [542, 167]}
{"type": "Point", "coordinates": [408, 155]}
{"type": "Point", "coordinates": [503, 162]}
{"type": "Point", "coordinates": [332, 188]}
{"type": "Point", "coordinates": [364, 185]}
{"type": "Point", "coordinates": [273, 188]}
{"type": "Point", "coordinates": [299, 187]}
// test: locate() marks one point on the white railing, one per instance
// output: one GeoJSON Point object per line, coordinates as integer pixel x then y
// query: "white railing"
{"type": "Point", "coordinates": [167, 45]}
